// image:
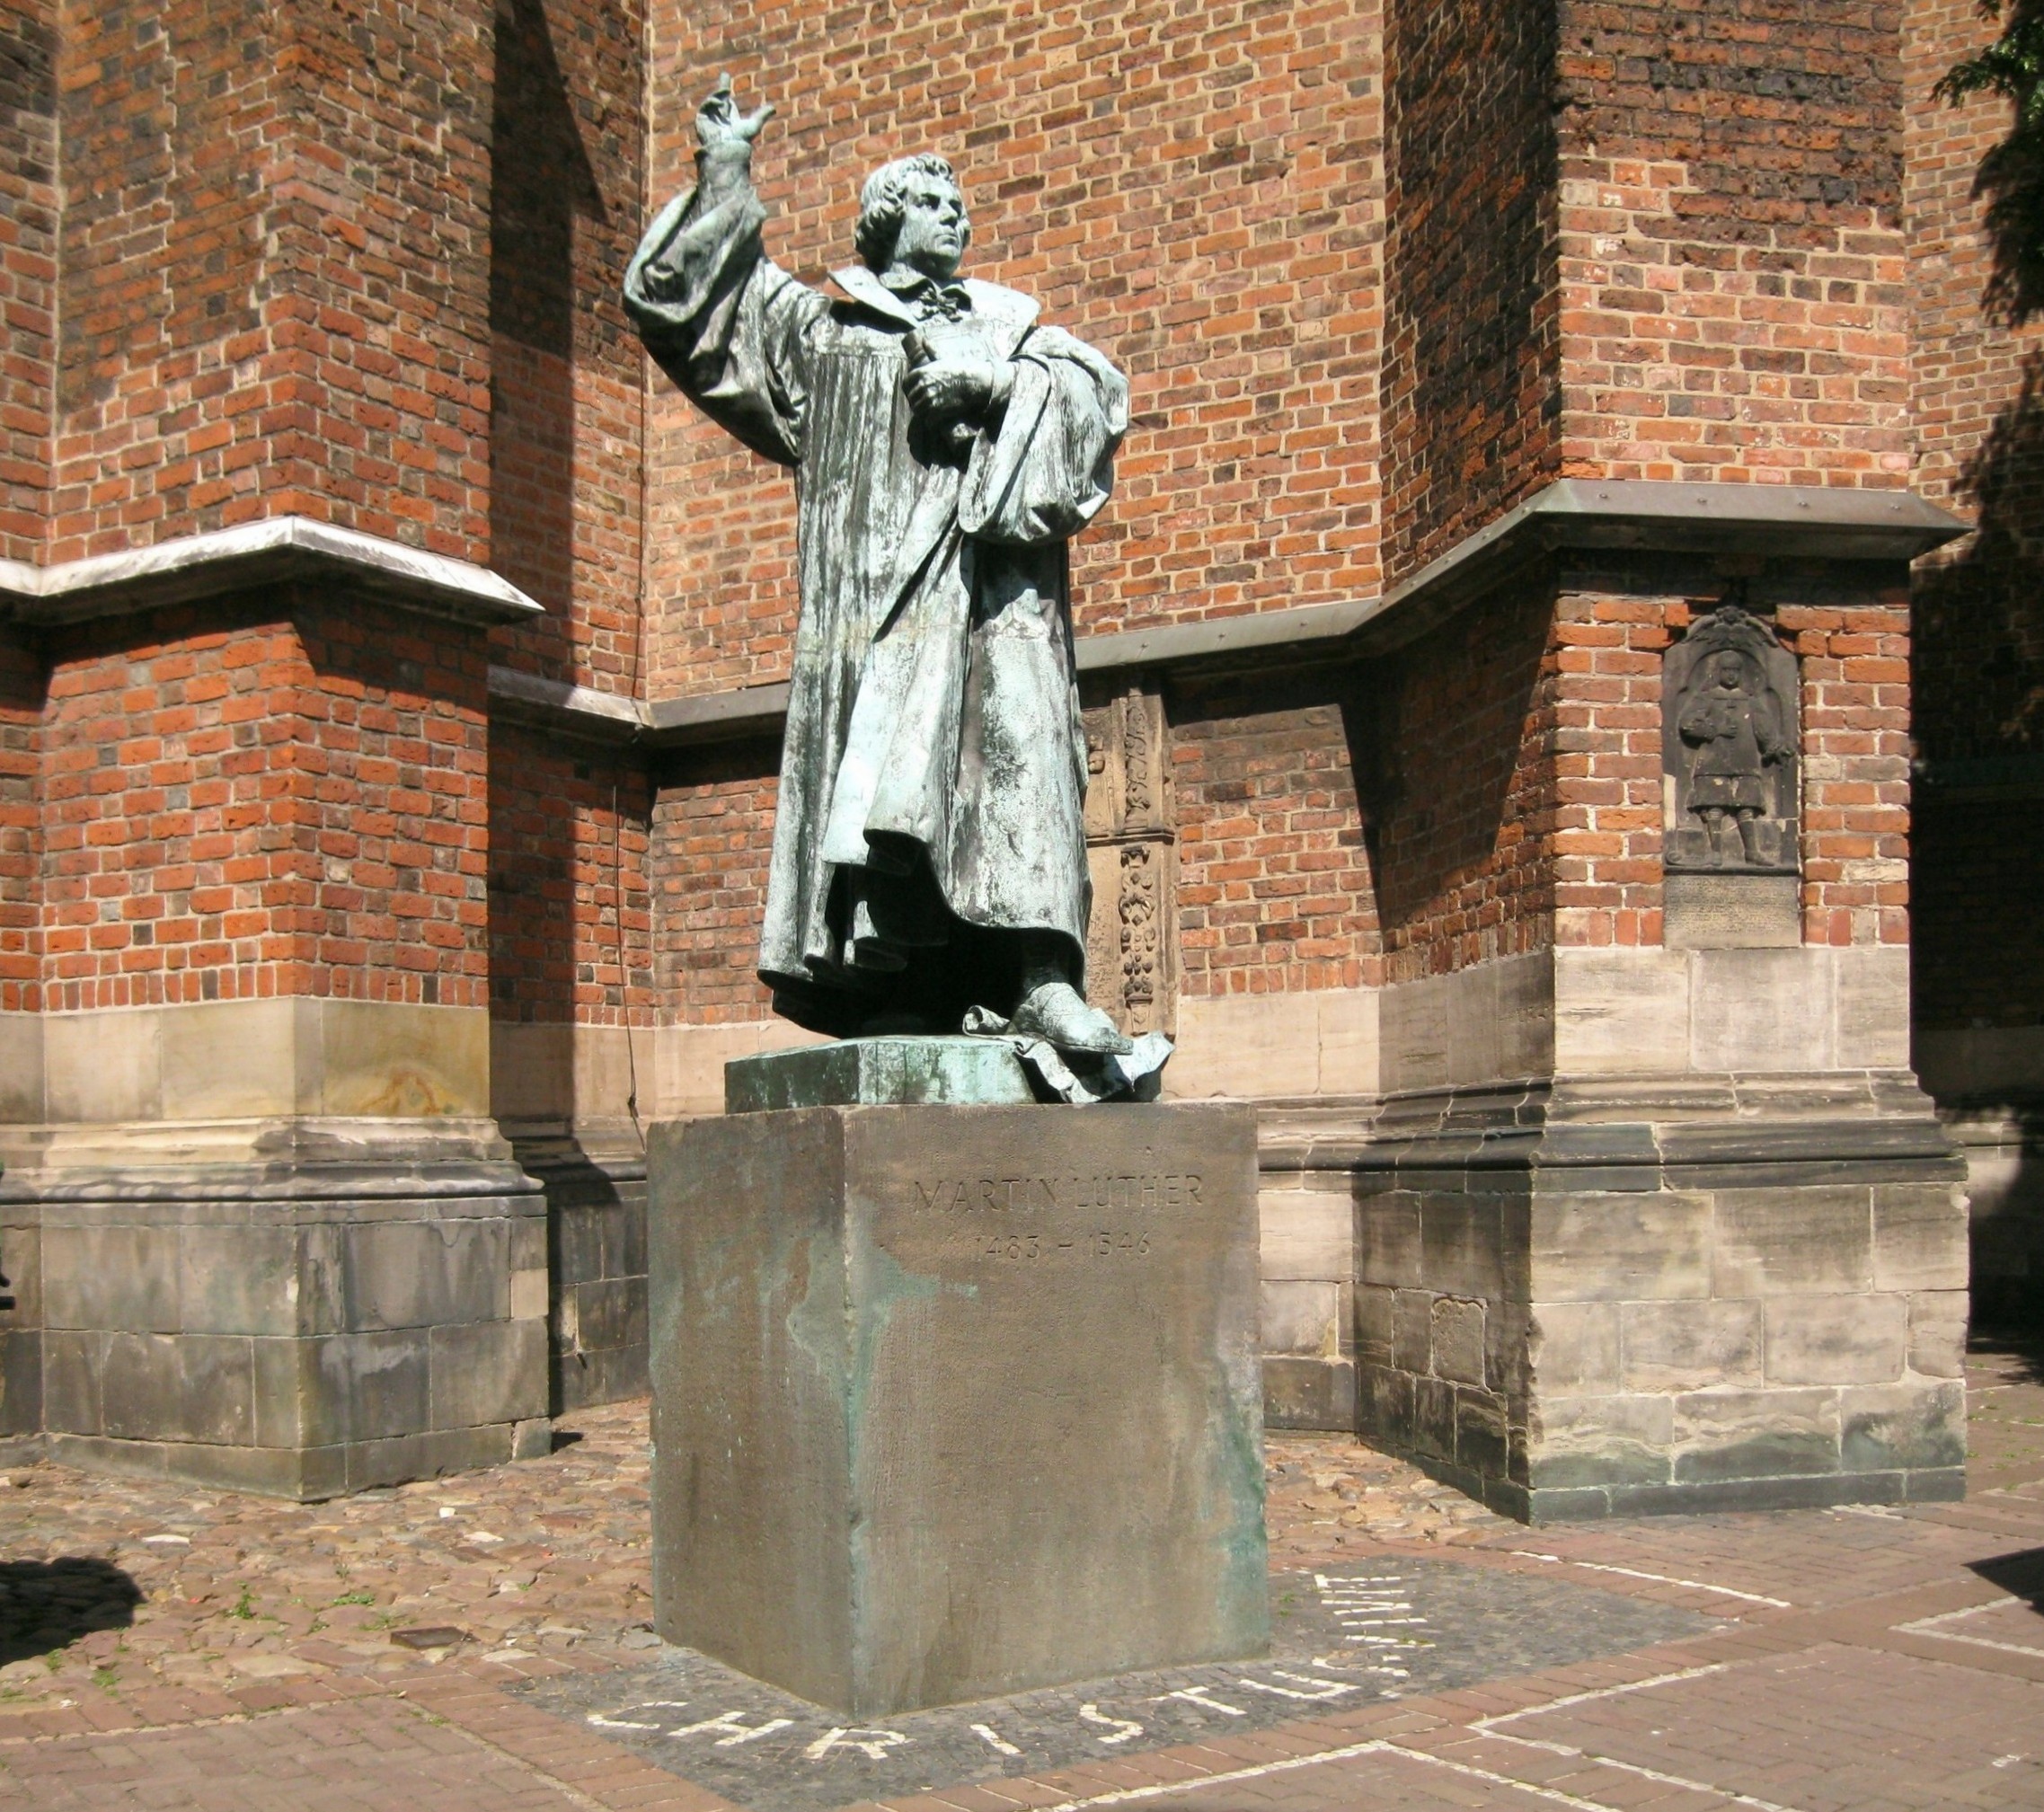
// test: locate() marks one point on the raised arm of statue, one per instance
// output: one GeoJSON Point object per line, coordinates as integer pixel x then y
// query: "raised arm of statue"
{"type": "Point", "coordinates": [724, 322]}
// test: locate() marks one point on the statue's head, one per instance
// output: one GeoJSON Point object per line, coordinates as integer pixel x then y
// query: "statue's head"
{"type": "Point", "coordinates": [912, 212]}
{"type": "Point", "coordinates": [1728, 671]}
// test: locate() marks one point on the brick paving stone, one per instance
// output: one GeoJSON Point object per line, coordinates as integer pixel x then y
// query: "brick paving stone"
{"type": "Point", "coordinates": [372, 1756]}
{"type": "Point", "coordinates": [243, 1658]}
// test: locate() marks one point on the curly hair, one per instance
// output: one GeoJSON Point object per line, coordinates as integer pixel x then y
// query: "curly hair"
{"type": "Point", "coordinates": [884, 198]}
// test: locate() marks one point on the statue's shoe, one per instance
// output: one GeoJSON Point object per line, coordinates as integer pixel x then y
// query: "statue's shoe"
{"type": "Point", "coordinates": [1057, 1013]}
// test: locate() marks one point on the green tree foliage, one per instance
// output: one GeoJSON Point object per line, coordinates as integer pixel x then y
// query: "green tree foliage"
{"type": "Point", "coordinates": [2011, 176]}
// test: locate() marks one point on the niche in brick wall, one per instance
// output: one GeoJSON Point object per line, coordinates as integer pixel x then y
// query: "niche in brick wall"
{"type": "Point", "coordinates": [1731, 741]}
{"type": "Point", "coordinates": [1132, 853]}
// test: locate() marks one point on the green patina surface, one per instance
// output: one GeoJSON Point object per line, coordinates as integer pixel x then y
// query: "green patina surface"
{"type": "Point", "coordinates": [879, 1072]}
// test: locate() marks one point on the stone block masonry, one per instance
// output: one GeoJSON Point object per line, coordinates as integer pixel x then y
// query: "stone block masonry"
{"type": "Point", "coordinates": [304, 1349]}
{"type": "Point", "coordinates": [1582, 1302]}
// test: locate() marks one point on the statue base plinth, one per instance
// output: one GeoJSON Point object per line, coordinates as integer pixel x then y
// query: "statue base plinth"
{"type": "Point", "coordinates": [952, 1401]}
{"type": "Point", "coordinates": [879, 1072]}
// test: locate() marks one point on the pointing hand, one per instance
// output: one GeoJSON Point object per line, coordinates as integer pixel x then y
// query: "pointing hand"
{"type": "Point", "coordinates": [719, 122]}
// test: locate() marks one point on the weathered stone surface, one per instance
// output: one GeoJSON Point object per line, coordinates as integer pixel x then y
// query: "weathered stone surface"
{"type": "Point", "coordinates": [1388, 1237]}
{"type": "Point", "coordinates": [1308, 1234]}
{"type": "Point", "coordinates": [238, 1280]}
{"type": "Point", "coordinates": [1691, 1346]}
{"type": "Point", "coordinates": [879, 1072]}
{"type": "Point", "coordinates": [1620, 1248]}
{"type": "Point", "coordinates": [1620, 1011]}
{"type": "Point", "coordinates": [995, 1371]}
{"type": "Point", "coordinates": [1761, 1435]}
{"type": "Point", "coordinates": [1814, 1240]}
{"type": "Point", "coordinates": [1457, 1339]}
{"type": "Point", "coordinates": [1309, 1393]}
{"type": "Point", "coordinates": [1857, 1340]}
{"type": "Point", "coordinates": [1299, 1318]}
{"type": "Point", "coordinates": [1751, 1010]}
{"type": "Point", "coordinates": [271, 1366]}
{"type": "Point", "coordinates": [1574, 1440]}
{"type": "Point", "coordinates": [427, 1273]}
{"type": "Point", "coordinates": [1462, 1244]}
{"type": "Point", "coordinates": [1375, 1317]}
{"type": "Point", "coordinates": [362, 1387]}
{"type": "Point", "coordinates": [112, 1277]}
{"type": "Point", "coordinates": [488, 1372]}
{"type": "Point", "coordinates": [1937, 1333]}
{"type": "Point", "coordinates": [191, 1387]}
{"type": "Point", "coordinates": [1919, 1237]}
{"type": "Point", "coordinates": [1412, 1330]}
{"type": "Point", "coordinates": [1907, 1427]}
{"type": "Point", "coordinates": [1573, 1349]}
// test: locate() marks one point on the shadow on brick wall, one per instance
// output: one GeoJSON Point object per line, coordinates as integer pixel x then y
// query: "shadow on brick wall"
{"type": "Point", "coordinates": [1978, 836]}
{"type": "Point", "coordinates": [1439, 736]}
{"type": "Point", "coordinates": [541, 181]}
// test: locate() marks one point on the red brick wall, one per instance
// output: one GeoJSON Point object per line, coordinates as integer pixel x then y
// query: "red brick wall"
{"type": "Point", "coordinates": [275, 282]}
{"type": "Point", "coordinates": [567, 202]}
{"type": "Point", "coordinates": [1463, 824]}
{"type": "Point", "coordinates": [1608, 640]}
{"type": "Point", "coordinates": [28, 275]}
{"type": "Point", "coordinates": [21, 713]}
{"type": "Point", "coordinates": [1197, 190]}
{"type": "Point", "coordinates": [1735, 302]}
{"type": "Point", "coordinates": [711, 844]}
{"type": "Point", "coordinates": [1469, 391]}
{"type": "Point", "coordinates": [1979, 381]}
{"type": "Point", "coordinates": [168, 421]}
{"type": "Point", "coordinates": [1273, 881]}
{"type": "Point", "coordinates": [570, 916]}
{"type": "Point", "coordinates": [292, 803]}
{"type": "Point", "coordinates": [1853, 648]}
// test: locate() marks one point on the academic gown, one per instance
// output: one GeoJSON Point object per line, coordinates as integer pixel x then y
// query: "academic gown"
{"type": "Point", "coordinates": [933, 766]}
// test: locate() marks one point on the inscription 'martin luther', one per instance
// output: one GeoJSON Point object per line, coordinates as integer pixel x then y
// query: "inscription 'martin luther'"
{"type": "Point", "coordinates": [1139, 1191]}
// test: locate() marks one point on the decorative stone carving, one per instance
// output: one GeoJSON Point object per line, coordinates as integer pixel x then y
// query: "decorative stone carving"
{"type": "Point", "coordinates": [1132, 939]}
{"type": "Point", "coordinates": [1730, 733]}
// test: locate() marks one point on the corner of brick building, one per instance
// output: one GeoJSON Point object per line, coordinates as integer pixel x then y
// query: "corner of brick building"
{"type": "Point", "coordinates": [1977, 367]}
{"type": "Point", "coordinates": [1378, 279]}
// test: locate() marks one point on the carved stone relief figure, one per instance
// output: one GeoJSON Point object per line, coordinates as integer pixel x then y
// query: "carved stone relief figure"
{"type": "Point", "coordinates": [1730, 731]}
{"type": "Point", "coordinates": [1131, 850]}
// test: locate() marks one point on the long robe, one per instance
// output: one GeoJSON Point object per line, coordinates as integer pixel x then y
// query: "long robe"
{"type": "Point", "coordinates": [933, 772]}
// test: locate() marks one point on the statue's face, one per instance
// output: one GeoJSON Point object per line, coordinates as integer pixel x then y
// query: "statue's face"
{"type": "Point", "coordinates": [932, 239]}
{"type": "Point", "coordinates": [1727, 672]}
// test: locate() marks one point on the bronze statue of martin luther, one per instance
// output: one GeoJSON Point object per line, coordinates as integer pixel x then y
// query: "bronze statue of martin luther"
{"type": "Point", "coordinates": [929, 848]}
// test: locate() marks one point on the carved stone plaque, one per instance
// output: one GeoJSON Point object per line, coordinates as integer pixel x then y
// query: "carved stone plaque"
{"type": "Point", "coordinates": [1131, 850]}
{"type": "Point", "coordinates": [1731, 737]}
{"type": "Point", "coordinates": [1732, 912]}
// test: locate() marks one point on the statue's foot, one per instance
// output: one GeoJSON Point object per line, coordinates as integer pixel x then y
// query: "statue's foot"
{"type": "Point", "coordinates": [1057, 1013]}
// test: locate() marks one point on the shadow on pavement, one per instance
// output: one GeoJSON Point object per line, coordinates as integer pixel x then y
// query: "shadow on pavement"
{"type": "Point", "coordinates": [2020, 1575]}
{"type": "Point", "coordinates": [2024, 1345]}
{"type": "Point", "coordinates": [47, 1605]}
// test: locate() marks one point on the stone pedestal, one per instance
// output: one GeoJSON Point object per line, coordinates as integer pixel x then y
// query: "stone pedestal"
{"type": "Point", "coordinates": [318, 1310]}
{"type": "Point", "coordinates": [1594, 1297]}
{"type": "Point", "coordinates": [955, 1400]}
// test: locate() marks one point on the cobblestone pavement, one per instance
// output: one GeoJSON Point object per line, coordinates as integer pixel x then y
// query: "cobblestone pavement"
{"type": "Point", "coordinates": [445, 1645]}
